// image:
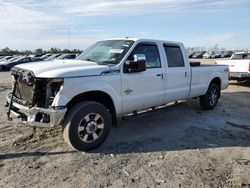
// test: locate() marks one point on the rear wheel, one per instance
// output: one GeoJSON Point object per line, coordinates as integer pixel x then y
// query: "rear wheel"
{"type": "Point", "coordinates": [210, 99]}
{"type": "Point", "coordinates": [87, 126]}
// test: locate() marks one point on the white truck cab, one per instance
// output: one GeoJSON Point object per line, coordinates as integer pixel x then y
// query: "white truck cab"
{"type": "Point", "coordinates": [109, 79]}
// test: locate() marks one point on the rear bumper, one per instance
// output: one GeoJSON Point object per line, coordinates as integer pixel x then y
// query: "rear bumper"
{"type": "Point", "coordinates": [236, 75]}
{"type": "Point", "coordinates": [32, 116]}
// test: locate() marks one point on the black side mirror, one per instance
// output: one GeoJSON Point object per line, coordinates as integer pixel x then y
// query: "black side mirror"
{"type": "Point", "coordinates": [138, 64]}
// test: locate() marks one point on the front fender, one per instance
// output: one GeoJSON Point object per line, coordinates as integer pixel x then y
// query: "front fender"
{"type": "Point", "coordinates": [75, 86]}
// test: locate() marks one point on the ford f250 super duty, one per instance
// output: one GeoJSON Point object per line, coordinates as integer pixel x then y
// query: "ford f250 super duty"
{"type": "Point", "coordinates": [109, 80]}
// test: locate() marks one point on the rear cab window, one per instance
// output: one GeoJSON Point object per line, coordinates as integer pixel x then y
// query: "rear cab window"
{"type": "Point", "coordinates": [174, 56]}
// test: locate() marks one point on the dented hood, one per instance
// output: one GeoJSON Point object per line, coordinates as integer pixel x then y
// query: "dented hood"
{"type": "Point", "coordinates": [64, 68]}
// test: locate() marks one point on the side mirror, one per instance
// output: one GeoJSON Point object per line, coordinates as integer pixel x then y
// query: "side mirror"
{"type": "Point", "coordinates": [138, 64]}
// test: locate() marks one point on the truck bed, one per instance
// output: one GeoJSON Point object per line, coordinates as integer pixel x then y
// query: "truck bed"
{"type": "Point", "coordinates": [203, 74]}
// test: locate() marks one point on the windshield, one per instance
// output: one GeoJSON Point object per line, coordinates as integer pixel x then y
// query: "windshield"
{"type": "Point", "coordinates": [106, 52]}
{"type": "Point", "coordinates": [18, 59]}
{"type": "Point", "coordinates": [197, 53]}
{"type": "Point", "coordinates": [51, 57]}
{"type": "Point", "coordinates": [6, 58]}
{"type": "Point", "coordinates": [62, 56]}
{"type": "Point", "coordinates": [11, 59]}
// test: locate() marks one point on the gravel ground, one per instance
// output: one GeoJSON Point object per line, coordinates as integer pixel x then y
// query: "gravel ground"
{"type": "Point", "coordinates": [180, 146]}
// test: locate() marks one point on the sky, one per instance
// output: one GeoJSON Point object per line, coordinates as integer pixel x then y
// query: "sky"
{"type": "Point", "coordinates": [31, 24]}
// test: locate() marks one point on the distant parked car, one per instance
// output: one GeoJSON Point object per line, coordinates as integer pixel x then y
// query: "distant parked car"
{"type": "Point", "coordinates": [45, 56]}
{"type": "Point", "coordinates": [191, 54]}
{"type": "Point", "coordinates": [3, 63]}
{"type": "Point", "coordinates": [1, 57]}
{"type": "Point", "coordinates": [5, 58]}
{"type": "Point", "coordinates": [199, 54]}
{"type": "Point", "coordinates": [8, 65]}
{"type": "Point", "coordinates": [209, 55]}
{"type": "Point", "coordinates": [52, 57]}
{"type": "Point", "coordinates": [67, 56]}
{"type": "Point", "coordinates": [220, 54]}
{"type": "Point", "coordinates": [228, 53]}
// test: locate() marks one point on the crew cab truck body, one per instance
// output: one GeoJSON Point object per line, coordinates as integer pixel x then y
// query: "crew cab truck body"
{"type": "Point", "coordinates": [239, 65]}
{"type": "Point", "coordinates": [108, 80]}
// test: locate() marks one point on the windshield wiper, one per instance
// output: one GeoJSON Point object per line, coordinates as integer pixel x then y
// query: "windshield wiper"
{"type": "Point", "coordinates": [90, 60]}
{"type": "Point", "coordinates": [101, 63]}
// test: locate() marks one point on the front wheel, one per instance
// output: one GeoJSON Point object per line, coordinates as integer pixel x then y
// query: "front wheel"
{"type": "Point", "coordinates": [86, 125]}
{"type": "Point", "coordinates": [210, 99]}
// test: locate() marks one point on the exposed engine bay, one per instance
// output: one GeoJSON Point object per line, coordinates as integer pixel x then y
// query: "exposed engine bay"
{"type": "Point", "coordinates": [31, 92]}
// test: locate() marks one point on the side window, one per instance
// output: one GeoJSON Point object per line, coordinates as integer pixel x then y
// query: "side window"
{"type": "Point", "coordinates": [71, 56]}
{"type": "Point", "coordinates": [174, 56]}
{"type": "Point", "coordinates": [152, 55]}
{"type": "Point", "coordinates": [27, 59]}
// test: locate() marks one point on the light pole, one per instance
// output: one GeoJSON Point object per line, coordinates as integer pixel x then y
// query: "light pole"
{"type": "Point", "coordinates": [69, 37]}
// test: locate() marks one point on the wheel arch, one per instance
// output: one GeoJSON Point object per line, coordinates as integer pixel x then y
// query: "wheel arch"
{"type": "Point", "coordinates": [216, 81]}
{"type": "Point", "coordinates": [97, 96]}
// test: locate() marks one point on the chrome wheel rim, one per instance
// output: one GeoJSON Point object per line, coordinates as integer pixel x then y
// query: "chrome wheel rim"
{"type": "Point", "coordinates": [90, 127]}
{"type": "Point", "coordinates": [213, 97]}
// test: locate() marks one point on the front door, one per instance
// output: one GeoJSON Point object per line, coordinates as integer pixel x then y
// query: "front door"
{"type": "Point", "coordinates": [144, 89]}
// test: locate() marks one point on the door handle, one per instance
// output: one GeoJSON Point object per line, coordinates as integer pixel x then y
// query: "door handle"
{"type": "Point", "coordinates": [160, 75]}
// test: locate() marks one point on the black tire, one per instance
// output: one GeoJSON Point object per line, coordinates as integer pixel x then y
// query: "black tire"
{"type": "Point", "coordinates": [210, 99]}
{"type": "Point", "coordinates": [80, 129]}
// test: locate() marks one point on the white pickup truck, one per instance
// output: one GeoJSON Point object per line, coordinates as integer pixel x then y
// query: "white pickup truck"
{"type": "Point", "coordinates": [109, 80]}
{"type": "Point", "coordinates": [239, 65]}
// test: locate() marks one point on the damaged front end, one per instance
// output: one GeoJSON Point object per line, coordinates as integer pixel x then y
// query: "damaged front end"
{"type": "Point", "coordinates": [32, 98]}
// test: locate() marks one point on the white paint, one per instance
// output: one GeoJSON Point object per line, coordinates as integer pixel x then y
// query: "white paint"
{"type": "Point", "coordinates": [148, 89]}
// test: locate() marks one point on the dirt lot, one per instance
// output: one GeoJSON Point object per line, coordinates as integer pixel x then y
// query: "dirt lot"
{"type": "Point", "coordinates": [174, 147]}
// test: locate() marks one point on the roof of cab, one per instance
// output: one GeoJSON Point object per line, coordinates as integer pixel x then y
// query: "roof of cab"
{"type": "Point", "coordinates": [144, 39]}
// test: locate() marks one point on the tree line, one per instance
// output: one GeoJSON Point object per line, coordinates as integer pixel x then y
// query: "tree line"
{"type": "Point", "coordinates": [53, 50]}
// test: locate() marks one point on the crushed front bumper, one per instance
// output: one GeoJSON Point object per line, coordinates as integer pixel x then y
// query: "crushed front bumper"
{"type": "Point", "coordinates": [29, 116]}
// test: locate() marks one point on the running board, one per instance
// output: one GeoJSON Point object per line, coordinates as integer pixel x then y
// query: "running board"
{"type": "Point", "coordinates": [154, 111]}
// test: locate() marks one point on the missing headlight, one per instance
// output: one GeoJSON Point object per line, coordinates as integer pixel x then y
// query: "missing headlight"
{"type": "Point", "coordinates": [28, 78]}
{"type": "Point", "coordinates": [52, 90]}
{"type": "Point", "coordinates": [46, 90]}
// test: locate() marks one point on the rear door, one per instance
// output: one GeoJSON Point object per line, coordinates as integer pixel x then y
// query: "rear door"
{"type": "Point", "coordinates": [178, 73]}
